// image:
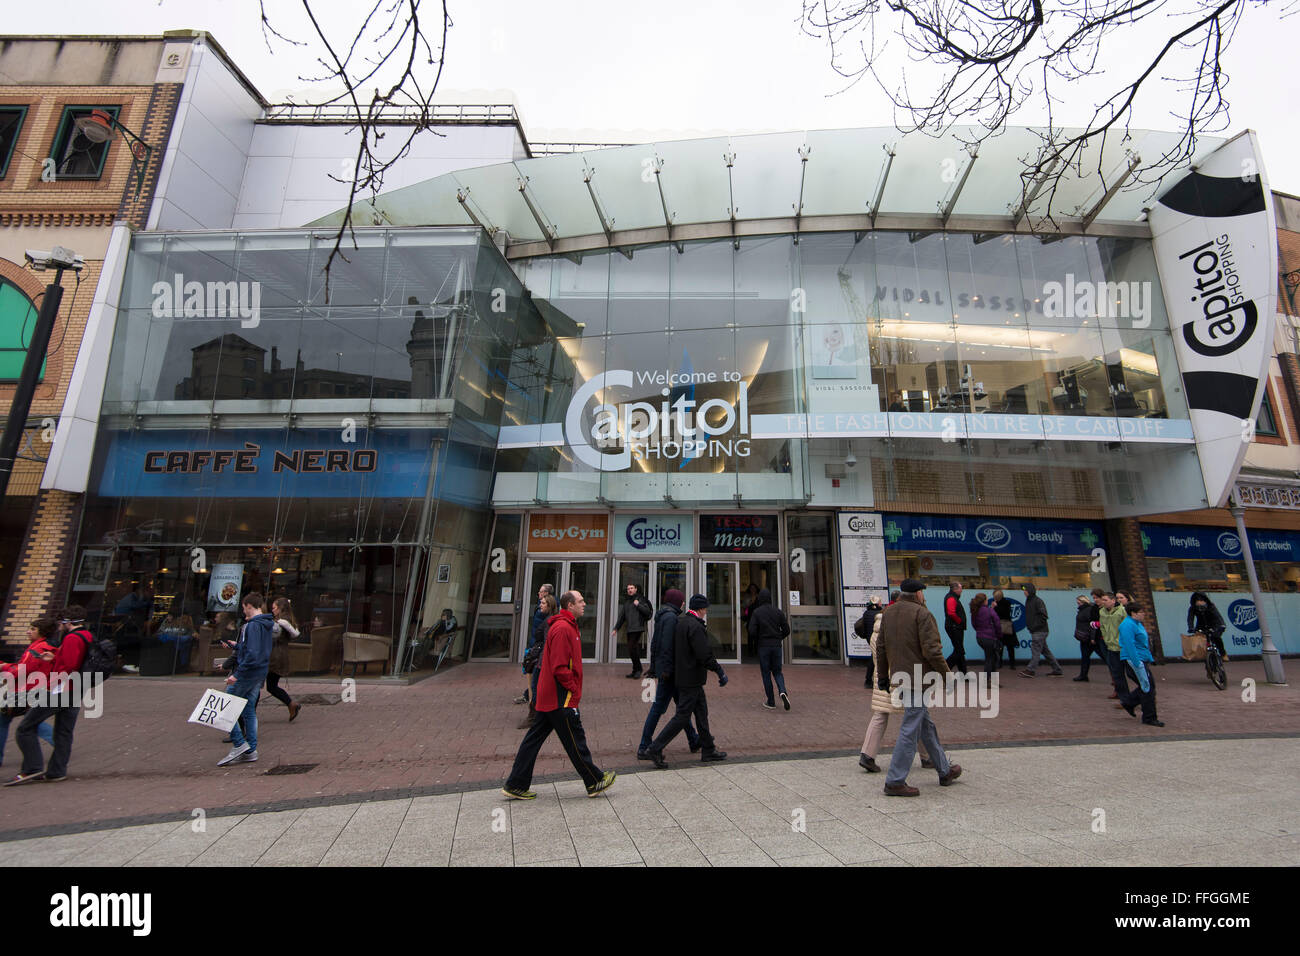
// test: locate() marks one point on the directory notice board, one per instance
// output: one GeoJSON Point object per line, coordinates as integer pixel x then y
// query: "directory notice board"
{"type": "Point", "coordinates": [863, 572]}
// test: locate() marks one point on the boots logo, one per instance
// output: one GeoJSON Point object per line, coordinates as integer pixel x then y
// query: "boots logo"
{"type": "Point", "coordinates": [677, 429]}
{"type": "Point", "coordinates": [1228, 318]}
{"type": "Point", "coordinates": [179, 299]}
{"type": "Point", "coordinates": [1230, 544]}
{"type": "Point", "coordinates": [993, 535]}
{"type": "Point", "coordinates": [1243, 615]}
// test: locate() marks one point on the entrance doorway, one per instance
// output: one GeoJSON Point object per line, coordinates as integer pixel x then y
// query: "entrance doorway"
{"type": "Point", "coordinates": [731, 587]}
{"type": "Point", "coordinates": [586, 577]}
{"type": "Point", "coordinates": [652, 579]}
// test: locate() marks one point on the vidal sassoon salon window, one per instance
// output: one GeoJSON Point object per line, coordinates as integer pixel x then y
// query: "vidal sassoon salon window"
{"type": "Point", "coordinates": [985, 554]}
{"type": "Point", "coordinates": [954, 371]}
{"type": "Point", "coordinates": [1183, 559]}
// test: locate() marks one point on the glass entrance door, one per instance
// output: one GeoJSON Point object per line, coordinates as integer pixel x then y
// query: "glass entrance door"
{"type": "Point", "coordinates": [754, 577]}
{"type": "Point", "coordinates": [587, 577]}
{"type": "Point", "coordinates": [664, 575]}
{"type": "Point", "coordinates": [722, 588]}
{"type": "Point", "coordinates": [539, 573]}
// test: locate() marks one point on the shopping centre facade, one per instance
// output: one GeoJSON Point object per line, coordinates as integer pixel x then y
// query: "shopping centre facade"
{"type": "Point", "coordinates": [815, 363]}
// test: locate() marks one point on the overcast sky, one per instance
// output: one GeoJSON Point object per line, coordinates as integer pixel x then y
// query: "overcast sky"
{"type": "Point", "coordinates": [633, 70]}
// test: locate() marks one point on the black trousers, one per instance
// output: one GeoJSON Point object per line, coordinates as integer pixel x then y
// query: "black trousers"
{"type": "Point", "coordinates": [567, 725]}
{"type": "Point", "coordinates": [634, 649]}
{"type": "Point", "coordinates": [65, 721]}
{"type": "Point", "coordinates": [275, 690]}
{"type": "Point", "coordinates": [957, 659]}
{"type": "Point", "coordinates": [1011, 642]}
{"type": "Point", "coordinates": [1117, 672]}
{"type": "Point", "coordinates": [1146, 697]}
{"type": "Point", "coordinates": [1087, 649]}
{"type": "Point", "coordinates": [992, 648]}
{"type": "Point", "coordinates": [690, 703]}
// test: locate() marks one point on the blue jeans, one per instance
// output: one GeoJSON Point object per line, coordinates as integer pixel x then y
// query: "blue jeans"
{"type": "Point", "coordinates": [665, 693]}
{"type": "Point", "coordinates": [916, 722]}
{"type": "Point", "coordinates": [769, 665]}
{"type": "Point", "coordinates": [245, 729]}
{"type": "Point", "coordinates": [44, 731]}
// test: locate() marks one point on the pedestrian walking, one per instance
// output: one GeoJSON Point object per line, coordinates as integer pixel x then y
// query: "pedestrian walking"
{"type": "Point", "coordinates": [769, 628]}
{"type": "Point", "coordinates": [1087, 631]}
{"type": "Point", "coordinates": [252, 658]}
{"type": "Point", "coordinates": [1109, 618]}
{"type": "Point", "coordinates": [692, 660]}
{"type": "Point", "coordinates": [909, 645]}
{"type": "Point", "coordinates": [546, 608]}
{"type": "Point", "coordinates": [38, 658]}
{"type": "Point", "coordinates": [660, 667]}
{"type": "Point", "coordinates": [63, 703]}
{"type": "Point", "coordinates": [1135, 651]}
{"type": "Point", "coordinates": [536, 635]}
{"type": "Point", "coordinates": [633, 614]}
{"type": "Point", "coordinates": [1007, 625]}
{"type": "Point", "coordinates": [559, 692]}
{"type": "Point", "coordinates": [954, 622]}
{"type": "Point", "coordinates": [882, 705]}
{"type": "Point", "coordinates": [865, 626]}
{"type": "Point", "coordinates": [988, 631]}
{"type": "Point", "coordinates": [1036, 623]}
{"type": "Point", "coordinates": [284, 630]}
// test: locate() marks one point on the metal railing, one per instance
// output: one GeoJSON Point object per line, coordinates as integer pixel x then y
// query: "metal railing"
{"type": "Point", "coordinates": [438, 113]}
{"type": "Point", "coordinates": [555, 149]}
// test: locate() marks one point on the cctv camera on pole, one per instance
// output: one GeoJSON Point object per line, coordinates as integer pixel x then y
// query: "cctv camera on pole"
{"type": "Point", "coordinates": [58, 259]}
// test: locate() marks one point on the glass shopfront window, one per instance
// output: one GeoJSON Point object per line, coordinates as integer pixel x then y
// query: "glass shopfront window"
{"type": "Point", "coordinates": [1034, 347]}
{"type": "Point", "coordinates": [327, 446]}
{"type": "Point", "coordinates": [1184, 559]}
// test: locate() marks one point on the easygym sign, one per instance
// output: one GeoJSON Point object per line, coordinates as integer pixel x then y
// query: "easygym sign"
{"type": "Point", "coordinates": [676, 429]}
{"type": "Point", "coordinates": [569, 533]}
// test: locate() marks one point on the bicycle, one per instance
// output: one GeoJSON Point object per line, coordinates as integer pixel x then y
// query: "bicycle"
{"type": "Point", "coordinates": [1214, 663]}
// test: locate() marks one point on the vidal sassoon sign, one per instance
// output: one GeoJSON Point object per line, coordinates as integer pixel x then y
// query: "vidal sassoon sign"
{"type": "Point", "coordinates": [1215, 243]}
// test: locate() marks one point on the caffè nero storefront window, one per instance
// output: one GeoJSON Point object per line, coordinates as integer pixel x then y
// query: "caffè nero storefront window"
{"type": "Point", "coordinates": [706, 371]}
{"type": "Point", "coordinates": [259, 436]}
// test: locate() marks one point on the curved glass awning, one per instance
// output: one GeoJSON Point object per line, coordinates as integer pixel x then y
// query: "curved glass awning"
{"type": "Point", "coordinates": [815, 180]}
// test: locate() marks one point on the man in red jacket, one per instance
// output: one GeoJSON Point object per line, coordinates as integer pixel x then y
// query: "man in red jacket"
{"type": "Point", "coordinates": [559, 691]}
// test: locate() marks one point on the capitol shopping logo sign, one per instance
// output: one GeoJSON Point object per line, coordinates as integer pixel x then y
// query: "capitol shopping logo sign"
{"type": "Point", "coordinates": [675, 429]}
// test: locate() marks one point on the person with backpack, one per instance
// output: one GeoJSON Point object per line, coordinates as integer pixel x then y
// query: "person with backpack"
{"type": "Point", "coordinates": [251, 660]}
{"type": "Point", "coordinates": [864, 627]}
{"type": "Point", "coordinates": [78, 654]}
{"type": "Point", "coordinates": [284, 630]}
{"type": "Point", "coordinates": [769, 629]}
{"type": "Point", "coordinates": [39, 656]}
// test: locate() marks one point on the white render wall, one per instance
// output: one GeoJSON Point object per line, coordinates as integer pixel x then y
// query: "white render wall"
{"type": "Point", "coordinates": [287, 180]}
{"type": "Point", "coordinates": [203, 168]}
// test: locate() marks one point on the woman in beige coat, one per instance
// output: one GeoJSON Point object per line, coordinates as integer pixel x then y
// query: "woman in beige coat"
{"type": "Point", "coordinates": [882, 705]}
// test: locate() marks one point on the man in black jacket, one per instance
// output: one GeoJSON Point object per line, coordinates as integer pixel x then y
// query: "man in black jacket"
{"type": "Point", "coordinates": [1036, 624]}
{"type": "Point", "coordinates": [660, 667]}
{"type": "Point", "coordinates": [635, 611]}
{"type": "Point", "coordinates": [768, 628]}
{"type": "Point", "coordinates": [692, 660]}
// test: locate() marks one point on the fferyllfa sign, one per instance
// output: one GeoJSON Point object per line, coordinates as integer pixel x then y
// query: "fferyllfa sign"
{"type": "Point", "coordinates": [1216, 248]}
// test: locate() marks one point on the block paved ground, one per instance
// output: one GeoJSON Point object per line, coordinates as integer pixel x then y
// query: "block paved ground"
{"type": "Point", "coordinates": [1156, 803]}
{"type": "Point", "coordinates": [456, 732]}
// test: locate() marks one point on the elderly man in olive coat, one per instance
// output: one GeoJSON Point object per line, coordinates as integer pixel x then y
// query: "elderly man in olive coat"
{"type": "Point", "coordinates": [907, 650]}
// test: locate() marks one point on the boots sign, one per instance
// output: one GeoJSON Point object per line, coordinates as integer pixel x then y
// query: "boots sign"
{"type": "Point", "coordinates": [1215, 243]}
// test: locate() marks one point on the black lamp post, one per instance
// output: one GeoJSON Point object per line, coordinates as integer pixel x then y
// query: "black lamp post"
{"type": "Point", "coordinates": [58, 259]}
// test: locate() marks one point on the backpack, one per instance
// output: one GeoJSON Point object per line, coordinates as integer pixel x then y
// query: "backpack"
{"type": "Point", "coordinates": [862, 627]}
{"type": "Point", "coordinates": [533, 657]}
{"type": "Point", "coordinates": [101, 656]}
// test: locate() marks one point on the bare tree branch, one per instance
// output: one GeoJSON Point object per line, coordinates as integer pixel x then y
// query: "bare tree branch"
{"type": "Point", "coordinates": [389, 48]}
{"type": "Point", "coordinates": [980, 63]}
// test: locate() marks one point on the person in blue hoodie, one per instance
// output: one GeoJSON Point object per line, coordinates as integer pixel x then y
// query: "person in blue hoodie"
{"type": "Point", "coordinates": [252, 659]}
{"type": "Point", "coordinates": [1135, 652]}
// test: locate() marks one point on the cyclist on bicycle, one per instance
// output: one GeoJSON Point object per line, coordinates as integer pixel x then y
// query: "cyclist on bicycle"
{"type": "Point", "coordinates": [1203, 616]}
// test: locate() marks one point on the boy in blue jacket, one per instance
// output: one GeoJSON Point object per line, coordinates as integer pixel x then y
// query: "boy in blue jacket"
{"type": "Point", "coordinates": [1135, 652]}
{"type": "Point", "coordinates": [252, 658]}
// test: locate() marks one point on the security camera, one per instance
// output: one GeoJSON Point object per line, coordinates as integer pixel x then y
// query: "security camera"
{"type": "Point", "coordinates": [57, 258]}
{"type": "Point", "coordinates": [850, 460]}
